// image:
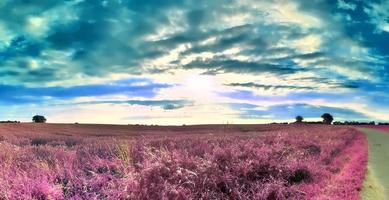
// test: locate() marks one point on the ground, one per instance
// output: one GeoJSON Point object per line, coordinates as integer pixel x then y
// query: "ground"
{"type": "Point", "coordinates": [83, 161]}
{"type": "Point", "coordinates": [376, 184]}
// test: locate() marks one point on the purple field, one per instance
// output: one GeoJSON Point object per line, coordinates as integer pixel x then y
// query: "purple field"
{"type": "Point", "coordinates": [57, 161]}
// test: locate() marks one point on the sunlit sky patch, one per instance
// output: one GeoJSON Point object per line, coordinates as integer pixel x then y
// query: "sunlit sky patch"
{"type": "Point", "coordinates": [193, 61]}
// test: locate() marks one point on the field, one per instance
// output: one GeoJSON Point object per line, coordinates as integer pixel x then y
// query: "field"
{"type": "Point", "coordinates": [74, 161]}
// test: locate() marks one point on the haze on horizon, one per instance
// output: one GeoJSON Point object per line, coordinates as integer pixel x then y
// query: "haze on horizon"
{"type": "Point", "coordinates": [193, 61]}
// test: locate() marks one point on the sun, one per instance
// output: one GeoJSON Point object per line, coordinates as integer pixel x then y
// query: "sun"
{"type": "Point", "coordinates": [200, 86]}
{"type": "Point", "coordinates": [199, 82]}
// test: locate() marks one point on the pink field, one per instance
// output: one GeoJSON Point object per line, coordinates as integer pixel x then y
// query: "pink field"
{"type": "Point", "coordinates": [54, 161]}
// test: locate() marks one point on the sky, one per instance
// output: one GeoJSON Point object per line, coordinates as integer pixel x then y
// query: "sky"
{"type": "Point", "coordinates": [193, 61]}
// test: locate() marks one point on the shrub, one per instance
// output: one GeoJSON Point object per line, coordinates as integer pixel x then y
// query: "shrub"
{"type": "Point", "coordinates": [39, 141]}
{"type": "Point", "coordinates": [299, 176]}
{"type": "Point", "coordinates": [39, 119]}
{"type": "Point", "coordinates": [327, 118]}
{"type": "Point", "coordinates": [312, 149]}
{"type": "Point", "coordinates": [299, 119]}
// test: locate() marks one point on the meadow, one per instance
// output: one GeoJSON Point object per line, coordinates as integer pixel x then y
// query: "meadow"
{"type": "Point", "coordinates": [75, 161]}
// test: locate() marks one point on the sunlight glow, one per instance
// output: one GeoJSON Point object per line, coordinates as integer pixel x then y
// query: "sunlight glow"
{"type": "Point", "coordinates": [200, 86]}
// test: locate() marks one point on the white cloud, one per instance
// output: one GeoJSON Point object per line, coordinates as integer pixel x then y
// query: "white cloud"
{"type": "Point", "coordinates": [5, 35]}
{"type": "Point", "coordinates": [379, 14]}
{"type": "Point", "coordinates": [309, 44]}
{"type": "Point", "coordinates": [287, 12]}
{"type": "Point", "coordinates": [37, 26]}
{"type": "Point", "coordinates": [346, 6]}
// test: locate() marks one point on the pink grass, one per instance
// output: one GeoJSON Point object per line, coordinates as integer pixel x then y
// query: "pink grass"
{"type": "Point", "coordinates": [265, 162]}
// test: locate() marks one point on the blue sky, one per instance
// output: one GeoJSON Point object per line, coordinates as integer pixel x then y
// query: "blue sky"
{"type": "Point", "coordinates": [193, 61]}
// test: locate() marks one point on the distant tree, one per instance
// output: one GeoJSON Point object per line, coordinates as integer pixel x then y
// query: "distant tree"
{"type": "Point", "coordinates": [39, 119]}
{"type": "Point", "coordinates": [299, 119]}
{"type": "Point", "coordinates": [327, 118]}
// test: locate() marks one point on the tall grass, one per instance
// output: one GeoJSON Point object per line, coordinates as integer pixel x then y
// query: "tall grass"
{"type": "Point", "coordinates": [293, 163]}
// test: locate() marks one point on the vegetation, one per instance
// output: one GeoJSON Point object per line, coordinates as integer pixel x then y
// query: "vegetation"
{"type": "Point", "coordinates": [10, 122]}
{"type": "Point", "coordinates": [354, 123]}
{"type": "Point", "coordinates": [327, 118]}
{"type": "Point", "coordinates": [299, 119]}
{"type": "Point", "coordinates": [39, 119]}
{"type": "Point", "coordinates": [283, 162]}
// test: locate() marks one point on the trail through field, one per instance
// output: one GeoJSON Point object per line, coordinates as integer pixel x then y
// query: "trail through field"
{"type": "Point", "coordinates": [376, 185]}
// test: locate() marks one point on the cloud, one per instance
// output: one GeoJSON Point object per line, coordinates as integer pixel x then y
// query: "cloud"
{"type": "Point", "coordinates": [121, 37]}
{"type": "Point", "coordinates": [164, 104]}
{"type": "Point", "coordinates": [302, 96]}
{"type": "Point", "coordinates": [222, 65]}
{"type": "Point", "coordinates": [130, 88]}
{"type": "Point", "coordinates": [21, 46]}
{"type": "Point", "coordinates": [302, 84]}
{"type": "Point", "coordinates": [302, 51]}
{"type": "Point", "coordinates": [347, 6]}
{"type": "Point", "coordinates": [270, 87]}
{"type": "Point", "coordinates": [289, 111]}
{"type": "Point", "coordinates": [378, 13]}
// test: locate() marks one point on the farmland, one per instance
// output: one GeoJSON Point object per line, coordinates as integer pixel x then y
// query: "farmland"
{"type": "Point", "coordinates": [76, 161]}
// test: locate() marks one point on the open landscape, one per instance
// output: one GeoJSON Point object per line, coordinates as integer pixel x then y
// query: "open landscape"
{"type": "Point", "coordinates": [194, 100]}
{"type": "Point", "coordinates": [76, 161]}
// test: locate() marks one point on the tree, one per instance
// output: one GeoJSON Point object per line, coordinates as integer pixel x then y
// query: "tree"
{"type": "Point", "coordinates": [327, 118]}
{"type": "Point", "coordinates": [39, 119]}
{"type": "Point", "coordinates": [299, 119]}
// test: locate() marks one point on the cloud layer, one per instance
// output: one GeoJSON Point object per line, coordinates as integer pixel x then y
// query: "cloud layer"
{"type": "Point", "coordinates": [146, 53]}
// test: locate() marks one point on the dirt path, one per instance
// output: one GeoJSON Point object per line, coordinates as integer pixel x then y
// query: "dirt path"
{"type": "Point", "coordinates": [376, 185]}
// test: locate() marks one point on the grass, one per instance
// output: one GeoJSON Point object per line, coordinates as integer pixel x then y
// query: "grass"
{"type": "Point", "coordinates": [283, 162]}
{"type": "Point", "coordinates": [376, 184]}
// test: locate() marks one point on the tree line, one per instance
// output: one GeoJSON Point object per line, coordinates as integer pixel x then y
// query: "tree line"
{"type": "Point", "coordinates": [328, 118]}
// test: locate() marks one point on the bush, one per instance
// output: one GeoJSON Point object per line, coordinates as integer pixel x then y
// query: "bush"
{"type": "Point", "coordinates": [299, 119]}
{"type": "Point", "coordinates": [299, 176]}
{"type": "Point", "coordinates": [39, 141]}
{"type": "Point", "coordinates": [39, 119]}
{"type": "Point", "coordinates": [327, 118]}
{"type": "Point", "coordinates": [313, 149]}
